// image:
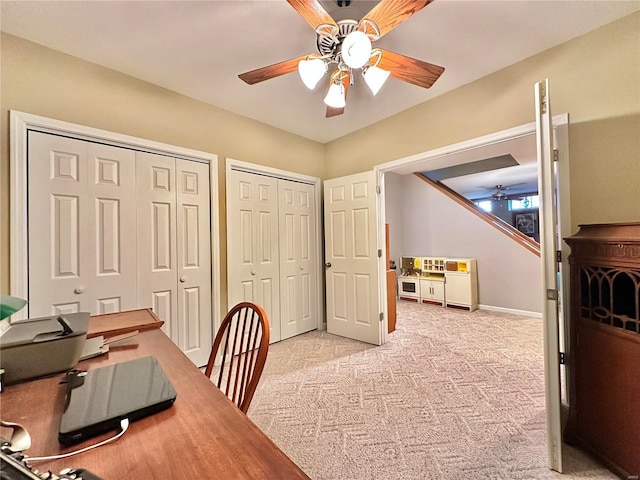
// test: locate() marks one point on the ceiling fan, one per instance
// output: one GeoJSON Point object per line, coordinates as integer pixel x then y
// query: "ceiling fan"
{"type": "Point", "coordinates": [500, 195]}
{"type": "Point", "coordinates": [347, 45]}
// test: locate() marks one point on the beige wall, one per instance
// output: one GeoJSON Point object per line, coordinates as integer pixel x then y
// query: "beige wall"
{"type": "Point", "coordinates": [45, 82]}
{"type": "Point", "coordinates": [595, 78]}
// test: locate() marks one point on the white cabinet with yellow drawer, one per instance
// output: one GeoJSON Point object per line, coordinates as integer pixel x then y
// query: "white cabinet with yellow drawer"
{"type": "Point", "coordinates": [461, 284]}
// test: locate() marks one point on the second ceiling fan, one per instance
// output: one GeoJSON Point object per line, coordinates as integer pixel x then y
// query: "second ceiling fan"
{"type": "Point", "coordinates": [348, 45]}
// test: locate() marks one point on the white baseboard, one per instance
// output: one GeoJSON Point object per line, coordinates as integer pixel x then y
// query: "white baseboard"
{"type": "Point", "coordinates": [524, 313]}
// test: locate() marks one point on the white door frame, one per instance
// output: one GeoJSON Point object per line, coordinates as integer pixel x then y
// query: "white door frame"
{"type": "Point", "coordinates": [21, 123]}
{"type": "Point", "coordinates": [560, 127]}
{"type": "Point", "coordinates": [382, 260]}
{"type": "Point", "coordinates": [232, 164]}
{"type": "Point", "coordinates": [549, 242]}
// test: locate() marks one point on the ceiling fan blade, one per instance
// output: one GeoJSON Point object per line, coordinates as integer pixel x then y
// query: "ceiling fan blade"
{"type": "Point", "coordinates": [312, 12]}
{"type": "Point", "coordinates": [334, 112]}
{"type": "Point", "coordinates": [388, 14]}
{"type": "Point", "coordinates": [409, 69]}
{"type": "Point", "coordinates": [265, 73]}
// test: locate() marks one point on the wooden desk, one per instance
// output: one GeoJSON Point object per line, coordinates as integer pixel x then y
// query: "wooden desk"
{"type": "Point", "coordinates": [203, 435]}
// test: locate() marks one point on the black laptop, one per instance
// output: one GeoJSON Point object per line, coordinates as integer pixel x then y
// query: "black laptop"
{"type": "Point", "coordinates": [97, 400]}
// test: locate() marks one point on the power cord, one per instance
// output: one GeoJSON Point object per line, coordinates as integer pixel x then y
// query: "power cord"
{"type": "Point", "coordinates": [124, 425]}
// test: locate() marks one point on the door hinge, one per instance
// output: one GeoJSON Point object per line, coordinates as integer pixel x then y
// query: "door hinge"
{"type": "Point", "coordinates": [379, 253]}
{"type": "Point", "coordinates": [556, 155]}
{"type": "Point", "coordinates": [558, 256]}
{"type": "Point", "coordinates": [562, 359]}
{"type": "Point", "coordinates": [381, 316]}
{"type": "Point", "coordinates": [552, 294]}
{"type": "Point", "coordinates": [378, 189]}
{"type": "Point", "coordinates": [543, 98]}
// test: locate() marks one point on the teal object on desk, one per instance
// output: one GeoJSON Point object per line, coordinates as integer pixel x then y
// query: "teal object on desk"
{"type": "Point", "coordinates": [10, 305]}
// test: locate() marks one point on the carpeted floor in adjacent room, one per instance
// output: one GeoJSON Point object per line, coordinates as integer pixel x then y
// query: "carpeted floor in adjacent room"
{"type": "Point", "coordinates": [452, 395]}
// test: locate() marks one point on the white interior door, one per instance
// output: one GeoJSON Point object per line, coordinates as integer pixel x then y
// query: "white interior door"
{"type": "Point", "coordinates": [351, 256]}
{"type": "Point", "coordinates": [252, 244]}
{"type": "Point", "coordinates": [194, 260]}
{"type": "Point", "coordinates": [297, 240]}
{"type": "Point", "coordinates": [81, 219]}
{"type": "Point", "coordinates": [548, 238]}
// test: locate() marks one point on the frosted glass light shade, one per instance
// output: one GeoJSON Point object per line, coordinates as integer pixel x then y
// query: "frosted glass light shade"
{"type": "Point", "coordinates": [375, 77]}
{"type": "Point", "coordinates": [311, 71]}
{"type": "Point", "coordinates": [335, 96]}
{"type": "Point", "coordinates": [356, 49]}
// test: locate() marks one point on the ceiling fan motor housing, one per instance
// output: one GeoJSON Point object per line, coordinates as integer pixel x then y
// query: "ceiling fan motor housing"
{"type": "Point", "coordinates": [328, 45]}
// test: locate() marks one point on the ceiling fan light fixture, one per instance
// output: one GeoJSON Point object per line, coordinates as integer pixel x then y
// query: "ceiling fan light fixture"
{"type": "Point", "coordinates": [311, 71]}
{"type": "Point", "coordinates": [335, 96]}
{"type": "Point", "coordinates": [375, 77]}
{"type": "Point", "coordinates": [356, 49]}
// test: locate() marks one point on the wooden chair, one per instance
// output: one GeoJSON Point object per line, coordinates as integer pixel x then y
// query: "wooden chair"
{"type": "Point", "coordinates": [244, 338]}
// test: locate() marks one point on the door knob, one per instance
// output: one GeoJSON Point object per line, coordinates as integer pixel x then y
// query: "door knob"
{"type": "Point", "coordinates": [253, 272]}
{"type": "Point", "coordinates": [327, 265]}
{"type": "Point", "coordinates": [79, 289]}
{"type": "Point", "coordinates": [301, 267]}
{"type": "Point", "coordinates": [183, 279]}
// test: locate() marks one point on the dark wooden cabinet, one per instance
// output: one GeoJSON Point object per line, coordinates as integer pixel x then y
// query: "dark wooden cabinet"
{"type": "Point", "coordinates": [604, 379]}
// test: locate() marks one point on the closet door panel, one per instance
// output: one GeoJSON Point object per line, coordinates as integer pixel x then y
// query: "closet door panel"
{"type": "Point", "coordinates": [157, 253]}
{"type": "Point", "coordinates": [252, 244]}
{"type": "Point", "coordinates": [59, 265]}
{"type": "Point", "coordinates": [112, 241]}
{"type": "Point", "coordinates": [194, 260]}
{"type": "Point", "coordinates": [297, 237]}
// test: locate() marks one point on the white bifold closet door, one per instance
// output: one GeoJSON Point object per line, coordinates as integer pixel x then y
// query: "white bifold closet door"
{"type": "Point", "coordinates": [271, 243]}
{"type": "Point", "coordinates": [82, 217]}
{"type": "Point", "coordinates": [252, 244]}
{"type": "Point", "coordinates": [174, 260]}
{"type": "Point", "coordinates": [297, 240]}
{"type": "Point", "coordinates": [113, 229]}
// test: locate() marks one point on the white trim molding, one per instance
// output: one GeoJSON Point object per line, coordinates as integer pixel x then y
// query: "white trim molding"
{"type": "Point", "coordinates": [512, 311]}
{"type": "Point", "coordinates": [485, 140]}
{"type": "Point", "coordinates": [21, 123]}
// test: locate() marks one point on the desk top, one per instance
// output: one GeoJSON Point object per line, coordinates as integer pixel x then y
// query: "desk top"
{"type": "Point", "coordinates": [203, 435]}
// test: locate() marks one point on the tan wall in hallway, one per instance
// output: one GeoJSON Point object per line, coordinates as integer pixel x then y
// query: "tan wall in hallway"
{"type": "Point", "coordinates": [595, 78]}
{"type": "Point", "coordinates": [45, 82]}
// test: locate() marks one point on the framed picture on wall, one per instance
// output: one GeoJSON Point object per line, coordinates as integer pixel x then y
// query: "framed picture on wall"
{"type": "Point", "coordinates": [527, 223]}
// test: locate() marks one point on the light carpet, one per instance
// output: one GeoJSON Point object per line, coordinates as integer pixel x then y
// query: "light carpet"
{"type": "Point", "coordinates": [452, 395]}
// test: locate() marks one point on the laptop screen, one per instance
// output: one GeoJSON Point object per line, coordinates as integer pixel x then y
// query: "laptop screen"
{"type": "Point", "coordinates": [100, 398]}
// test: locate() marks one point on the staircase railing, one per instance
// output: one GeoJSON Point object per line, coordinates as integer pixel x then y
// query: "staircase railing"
{"type": "Point", "coordinates": [497, 223]}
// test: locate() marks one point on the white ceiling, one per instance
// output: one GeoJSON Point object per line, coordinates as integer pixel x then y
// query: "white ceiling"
{"type": "Point", "coordinates": [198, 48]}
